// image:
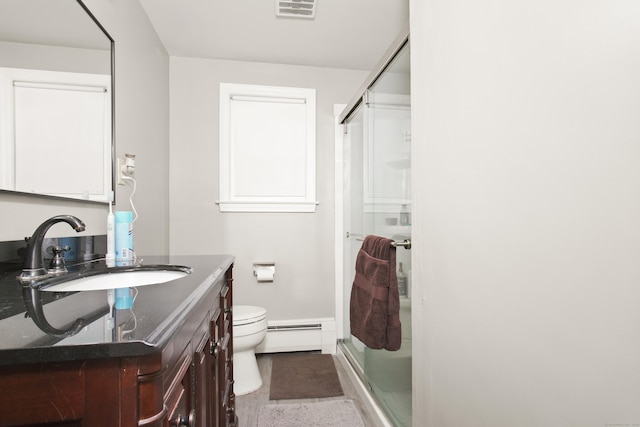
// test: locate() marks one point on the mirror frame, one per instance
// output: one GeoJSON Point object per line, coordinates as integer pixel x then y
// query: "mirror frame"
{"type": "Point", "coordinates": [113, 122]}
{"type": "Point", "coordinates": [113, 105]}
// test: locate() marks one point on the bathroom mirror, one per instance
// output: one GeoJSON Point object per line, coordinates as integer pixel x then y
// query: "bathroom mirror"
{"type": "Point", "coordinates": [56, 100]}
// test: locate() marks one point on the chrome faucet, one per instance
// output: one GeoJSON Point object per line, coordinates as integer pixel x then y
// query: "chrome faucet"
{"type": "Point", "coordinates": [33, 265]}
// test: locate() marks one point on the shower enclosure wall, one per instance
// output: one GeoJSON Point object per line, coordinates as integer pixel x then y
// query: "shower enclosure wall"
{"type": "Point", "coordinates": [376, 188]}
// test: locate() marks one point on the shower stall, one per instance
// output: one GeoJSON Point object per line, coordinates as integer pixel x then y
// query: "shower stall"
{"type": "Point", "coordinates": [375, 184]}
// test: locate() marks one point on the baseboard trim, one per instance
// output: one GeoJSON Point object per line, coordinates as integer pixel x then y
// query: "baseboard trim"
{"type": "Point", "coordinates": [300, 335]}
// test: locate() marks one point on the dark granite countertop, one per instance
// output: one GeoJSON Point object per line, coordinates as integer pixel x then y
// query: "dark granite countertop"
{"type": "Point", "coordinates": [158, 311]}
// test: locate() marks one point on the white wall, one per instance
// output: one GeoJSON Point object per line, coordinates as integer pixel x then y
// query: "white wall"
{"type": "Point", "coordinates": [55, 58]}
{"type": "Point", "coordinates": [526, 212]}
{"type": "Point", "coordinates": [142, 127]}
{"type": "Point", "coordinates": [300, 244]}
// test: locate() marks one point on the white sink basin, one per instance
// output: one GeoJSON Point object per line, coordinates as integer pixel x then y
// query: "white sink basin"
{"type": "Point", "coordinates": [116, 280]}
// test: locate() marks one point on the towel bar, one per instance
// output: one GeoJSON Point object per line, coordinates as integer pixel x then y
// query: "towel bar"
{"type": "Point", "coordinates": [405, 244]}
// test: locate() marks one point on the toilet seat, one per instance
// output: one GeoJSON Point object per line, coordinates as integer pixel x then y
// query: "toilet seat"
{"type": "Point", "coordinates": [247, 314]}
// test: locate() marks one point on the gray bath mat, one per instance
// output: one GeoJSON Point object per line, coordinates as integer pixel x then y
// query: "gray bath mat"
{"type": "Point", "coordinates": [329, 413]}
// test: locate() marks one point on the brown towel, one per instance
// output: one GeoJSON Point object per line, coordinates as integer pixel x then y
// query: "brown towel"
{"type": "Point", "coordinates": [375, 302]}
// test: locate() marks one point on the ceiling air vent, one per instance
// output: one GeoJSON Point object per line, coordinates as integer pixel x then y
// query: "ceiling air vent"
{"type": "Point", "coordinates": [296, 8]}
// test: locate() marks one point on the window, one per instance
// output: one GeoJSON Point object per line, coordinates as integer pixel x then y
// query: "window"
{"type": "Point", "coordinates": [55, 133]}
{"type": "Point", "coordinates": [267, 149]}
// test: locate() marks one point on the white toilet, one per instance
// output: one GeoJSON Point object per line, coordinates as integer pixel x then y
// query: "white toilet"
{"type": "Point", "coordinates": [249, 329]}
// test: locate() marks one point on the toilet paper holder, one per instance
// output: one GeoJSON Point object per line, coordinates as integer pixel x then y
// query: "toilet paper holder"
{"type": "Point", "coordinates": [264, 271]}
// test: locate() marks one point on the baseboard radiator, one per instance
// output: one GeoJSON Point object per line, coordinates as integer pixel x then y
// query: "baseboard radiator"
{"type": "Point", "coordinates": [300, 335]}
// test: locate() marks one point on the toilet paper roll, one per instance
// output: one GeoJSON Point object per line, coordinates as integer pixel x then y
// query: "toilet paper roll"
{"type": "Point", "coordinates": [265, 274]}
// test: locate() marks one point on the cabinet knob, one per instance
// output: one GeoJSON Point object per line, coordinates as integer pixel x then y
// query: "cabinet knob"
{"type": "Point", "coordinates": [182, 421]}
{"type": "Point", "coordinates": [215, 349]}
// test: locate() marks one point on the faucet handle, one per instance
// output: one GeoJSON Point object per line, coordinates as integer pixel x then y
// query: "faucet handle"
{"type": "Point", "coordinates": [57, 262]}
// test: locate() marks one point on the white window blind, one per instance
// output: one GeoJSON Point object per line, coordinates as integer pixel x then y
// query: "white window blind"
{"type": "Point", "coordinates": [267, 149]}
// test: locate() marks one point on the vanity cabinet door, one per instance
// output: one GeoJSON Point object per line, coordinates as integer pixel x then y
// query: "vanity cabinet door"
{"type": "Point", "coordinates": [215, 398]}
{"type": "Point", "coordinates": [179, 400]}
{"type": "Point", "coordinates": [225, 365]}
{"type": "Point", "coordinates": [224, 372]}
{"type": "Point", "coordinates": [204, 383]}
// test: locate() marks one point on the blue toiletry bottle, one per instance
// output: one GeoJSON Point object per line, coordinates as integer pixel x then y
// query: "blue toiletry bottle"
{"type": "Point", "coordinates": [124, 298]}
{"type": "Point", "coordinates": [124, 235]}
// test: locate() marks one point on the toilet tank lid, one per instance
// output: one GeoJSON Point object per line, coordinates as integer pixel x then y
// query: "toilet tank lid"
{"type": "Point", "coordinates": [246, 312]}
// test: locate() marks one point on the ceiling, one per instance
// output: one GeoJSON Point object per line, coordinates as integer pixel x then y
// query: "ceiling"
{"type": "Point", "coordinates": [351, 34]}
{"type": "Point", "coordinates": [50, 23]}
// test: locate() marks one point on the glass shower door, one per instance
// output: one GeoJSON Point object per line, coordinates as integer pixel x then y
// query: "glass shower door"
{"type": "Point", "coordinates": [354, 219]}
{"type": "Point", "coordinates": [377, 200]}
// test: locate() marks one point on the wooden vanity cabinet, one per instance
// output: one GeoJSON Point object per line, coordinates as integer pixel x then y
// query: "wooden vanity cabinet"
{"type": "Point", "coordinates": [200, 392]}
{"type": "Point", "coordinates": [188, 382]}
